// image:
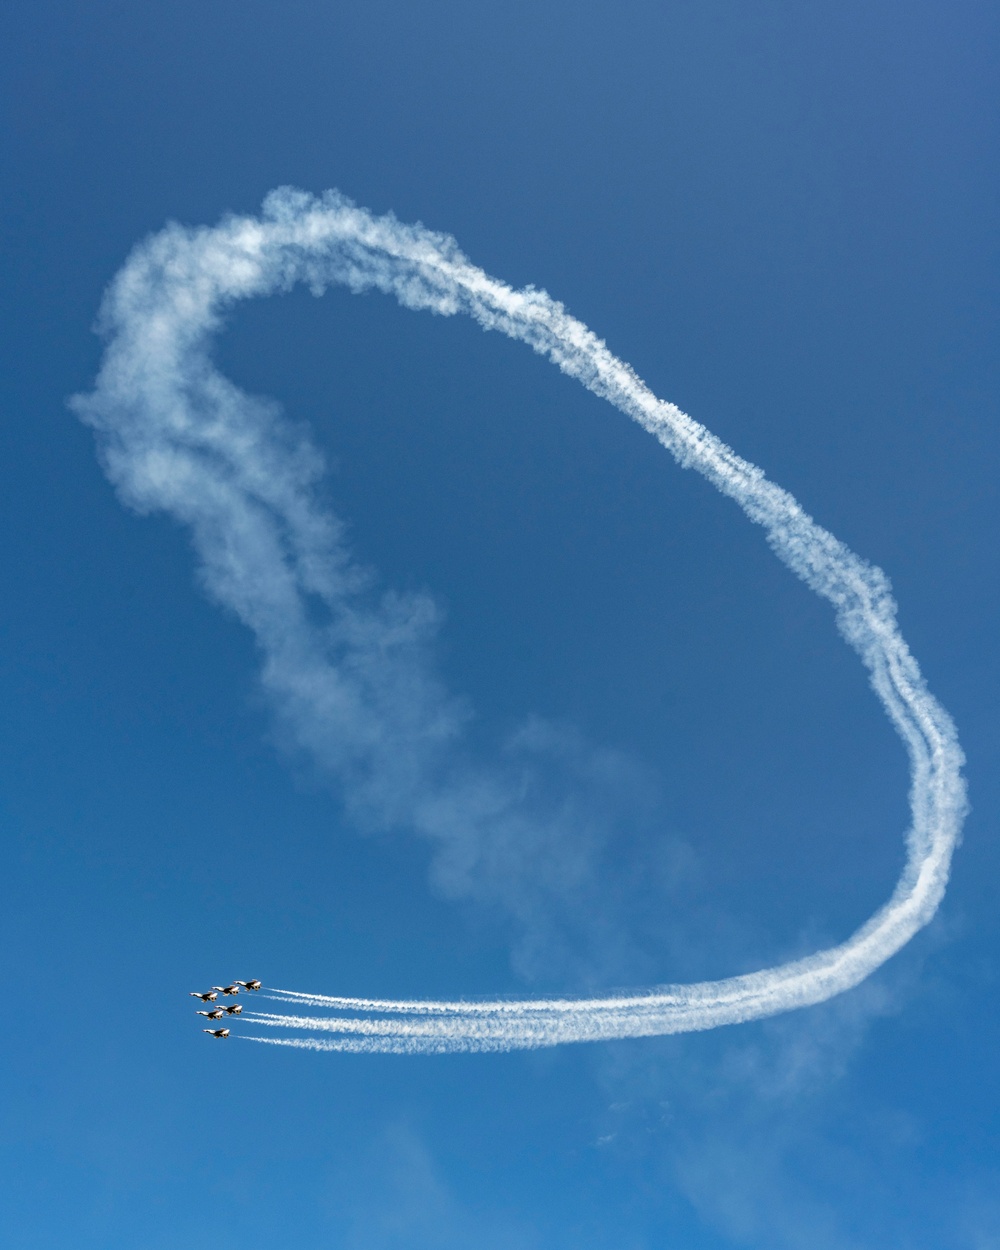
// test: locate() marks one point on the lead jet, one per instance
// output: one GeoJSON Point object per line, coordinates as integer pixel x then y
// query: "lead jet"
{"type": "Point", "coordinates": [233, 1009]}
{"type": "Point", "coordinates": [216, 1032]}
{"type": "Point", "coordinates": [215, 1014]}
{"type": "Point", "coordinates": [249, 985]}
{"type": "Point", "coordinates": [208, 997]}
{"type": "Point", "coordinates": [233, 988]}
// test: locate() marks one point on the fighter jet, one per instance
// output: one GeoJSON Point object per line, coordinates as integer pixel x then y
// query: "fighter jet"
{"type": "Point", "coordinates": [216, 1032]}
{"type": "Point", "coordinates": [249, 985]}
{"type": "Point", "coordinates": [234, 988]}
{"type": "Point", "coordinates": [208, 997]}
{"type": "Point", "coordinates": [233, 1009]}
{"type": "Point", "coordinates": [215, 1014]}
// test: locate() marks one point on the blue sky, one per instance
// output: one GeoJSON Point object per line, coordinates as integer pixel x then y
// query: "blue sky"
{"type": "Point", "coordinates": [784, 217]}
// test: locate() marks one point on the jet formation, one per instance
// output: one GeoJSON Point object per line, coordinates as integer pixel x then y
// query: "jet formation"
{"type": "Point", "coordinates": [216, 1013]}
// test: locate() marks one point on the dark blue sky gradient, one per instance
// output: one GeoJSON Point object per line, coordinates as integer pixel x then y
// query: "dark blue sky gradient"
{"type": "Point", "coordinates": [784, 216]}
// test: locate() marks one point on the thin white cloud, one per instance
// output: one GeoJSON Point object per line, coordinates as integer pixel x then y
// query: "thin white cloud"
{"type": "Point", "coordinates": [394, 1195]}
{"type": "Point", "coordinates": [353, 683]}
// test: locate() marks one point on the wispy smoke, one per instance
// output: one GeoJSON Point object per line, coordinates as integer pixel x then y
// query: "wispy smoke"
{"type": "Point", "coordinates": [352, 682]}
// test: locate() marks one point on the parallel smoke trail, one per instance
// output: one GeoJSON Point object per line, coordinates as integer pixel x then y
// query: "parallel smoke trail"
{"type": "Point", "coordinates": [177, 436]}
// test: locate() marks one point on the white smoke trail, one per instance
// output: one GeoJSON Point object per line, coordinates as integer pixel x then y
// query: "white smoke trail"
{"type": "Point", "coordinates": [177, 436]}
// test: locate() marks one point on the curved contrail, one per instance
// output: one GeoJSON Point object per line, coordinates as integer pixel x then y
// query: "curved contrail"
{"type": "Point", "coordinates": [177, 436]}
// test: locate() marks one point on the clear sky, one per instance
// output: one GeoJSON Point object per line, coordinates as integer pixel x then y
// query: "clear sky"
{"type": "Point", "coordinates": [784, 216]}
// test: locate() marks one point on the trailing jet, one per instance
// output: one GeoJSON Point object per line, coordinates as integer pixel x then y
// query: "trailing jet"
{"type": "Point", "coordinates": [216, 1032]}
{"type": "Point", "coordinates": [234, 988]}
{"type": "Point", "coordinates": [233, 1009]}
{"type": "Point", "coordinates": [208, 997]}
{"type": "Point", "coordinates": [249, 985]}
{"type": "Point", "coordinates": [215, 1014]}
